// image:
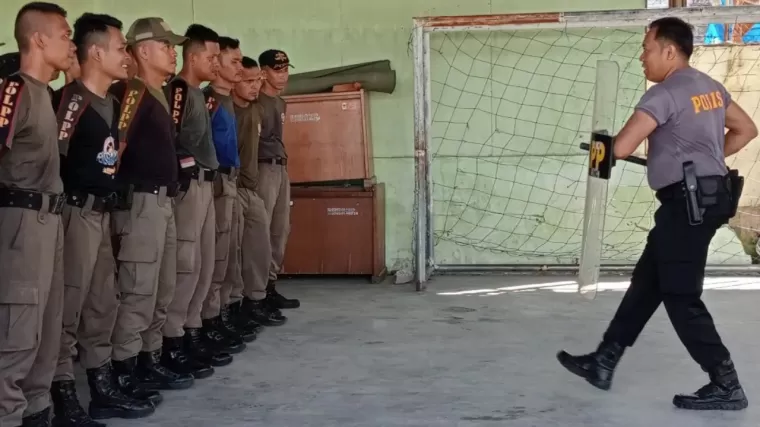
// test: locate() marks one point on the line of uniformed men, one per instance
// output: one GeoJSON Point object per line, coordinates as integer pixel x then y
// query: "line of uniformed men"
{"type": "Point", "coordinates": [142, 222]}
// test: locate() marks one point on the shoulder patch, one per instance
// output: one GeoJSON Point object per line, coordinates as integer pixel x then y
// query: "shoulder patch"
{"type": "Point", "coordinates": [177, 100]}
{"type": "Point", "coordinates": [133, 94]}
{"type": "Point", "coordinates": [10, 91]}
{"type": "Point", "coordinates": [73, 103]}
{"type": "Point", "coordinates": [212, 104]}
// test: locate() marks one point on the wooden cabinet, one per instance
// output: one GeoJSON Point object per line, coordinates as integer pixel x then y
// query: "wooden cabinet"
{"type": "Point", "coordinates": [337, 231]}
{"type": "Point", "coordinates": [337, 211]}
{"type": "Point", "coordinates": [327, 138]}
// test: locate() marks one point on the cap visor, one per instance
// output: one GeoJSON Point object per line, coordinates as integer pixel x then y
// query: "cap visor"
{"type": "Point", "coordinates": [175, 39]}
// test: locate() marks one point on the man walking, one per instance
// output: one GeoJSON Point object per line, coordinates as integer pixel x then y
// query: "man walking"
{"type": "Point", "coordinates": [684, 117]}
{"type": "Point", "coordinates": [87, 138]}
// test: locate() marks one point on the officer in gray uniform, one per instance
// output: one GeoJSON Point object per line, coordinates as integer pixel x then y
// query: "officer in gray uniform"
{"type": "Point", "coordinates": [31, 232]}
{"type": "Point", "coordinates": [684, 118]}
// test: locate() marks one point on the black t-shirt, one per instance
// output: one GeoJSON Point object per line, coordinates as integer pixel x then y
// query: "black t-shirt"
{"type": "Point", "coordinates": [150, 156]}
{"type": "Point", "coordinates": [88, 158]}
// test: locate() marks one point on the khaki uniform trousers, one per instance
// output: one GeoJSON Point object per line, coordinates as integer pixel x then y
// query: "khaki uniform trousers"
{"type": "Point", "coordinates": [274, 190]}
{"type": "Point", "coordinates": [196, 226]}
{"type": "Point", "coordinates": [225, 199]}
{"type": "Point", "coordinates": [248, 270]}
{"type": "Point", "coordinates": [89, 298]}
{"type": "Point", "coordinates": [31, 302]}
{"type": "Point", "coordinates": [147, 260]}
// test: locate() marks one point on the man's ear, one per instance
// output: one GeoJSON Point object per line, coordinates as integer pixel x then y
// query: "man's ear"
{"type": "Point", "coordinates": [38, 40]}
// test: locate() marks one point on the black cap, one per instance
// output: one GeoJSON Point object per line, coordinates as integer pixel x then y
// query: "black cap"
{"type": "Point", "coordinates": [274, 59]}
{"type": "Point", "coordinates": [10, 63]}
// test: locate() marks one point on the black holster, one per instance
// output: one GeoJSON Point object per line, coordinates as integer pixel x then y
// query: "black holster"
{"type": "Point", "coordinates": [713, 193]}
{"type": "Point", "coordinates": [735, 186]}
{"type": "Point", "coordinates": [125, 198]}
{"type": "Point", "coordinates": [185, 177]}
{"type": "Point", "coordinates": [691, 189]}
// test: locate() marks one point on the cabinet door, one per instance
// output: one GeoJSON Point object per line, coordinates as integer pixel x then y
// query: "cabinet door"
{"type": "Point", "coordinates": [330, 235]}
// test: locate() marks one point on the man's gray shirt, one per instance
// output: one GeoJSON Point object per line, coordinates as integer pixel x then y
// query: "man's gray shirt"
{"type": "Point", "coordinates": [690, 109]}
{"type": "Point", "coordinates": [272, 113]}
{"type": "Point", "coordinates": [195, 132]}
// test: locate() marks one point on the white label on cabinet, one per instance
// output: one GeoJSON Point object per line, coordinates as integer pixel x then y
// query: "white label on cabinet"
{"type": "Point", "coordinates": [304, 117]}
{"type": "Point", "coordinates": [353, 105]}
{"type": "Point", "coordinates": [342, 212]}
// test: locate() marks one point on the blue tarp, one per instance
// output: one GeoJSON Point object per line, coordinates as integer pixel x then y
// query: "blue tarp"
{"type": "Point", "coordinates": [715, 32]}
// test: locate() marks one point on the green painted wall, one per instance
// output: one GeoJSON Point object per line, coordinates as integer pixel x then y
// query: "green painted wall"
{"type": "Point", "coordinates": [328, 33]}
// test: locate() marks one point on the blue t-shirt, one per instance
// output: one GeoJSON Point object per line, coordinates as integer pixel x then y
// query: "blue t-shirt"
{"type": "Point", "coordinates": [224, 129]}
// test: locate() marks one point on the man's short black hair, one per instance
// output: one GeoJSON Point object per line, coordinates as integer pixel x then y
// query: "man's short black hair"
{"type": "Point", "coordinates": [24, 28]}
{"type": "Point", "coordinates": [228, 43]}
{"type": "Point", "coordinates": [197, 36]}
{"type": "Point", "coordinates": [90, 29]}
{"type": "Point", "coordinates": [249, 62]}
{"type": "Point", "coordinates": [676, 31]}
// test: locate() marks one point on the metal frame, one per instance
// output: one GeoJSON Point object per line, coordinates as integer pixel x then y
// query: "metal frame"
{"type": "Point", "coordinates": [423, 26]}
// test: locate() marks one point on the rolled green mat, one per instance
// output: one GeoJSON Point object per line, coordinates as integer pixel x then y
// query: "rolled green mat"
{"type": "Point", "coordinates": [372, 81]}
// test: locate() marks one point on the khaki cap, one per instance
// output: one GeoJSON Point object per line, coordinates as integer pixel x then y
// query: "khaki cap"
{"type": "Point", "coordinates": [152, 29]}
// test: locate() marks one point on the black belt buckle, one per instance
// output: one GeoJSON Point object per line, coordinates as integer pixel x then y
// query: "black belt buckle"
{"type": "Point", "coordinates": [691, 189]}
{"type": "Point", "coordinates": [57, 201]}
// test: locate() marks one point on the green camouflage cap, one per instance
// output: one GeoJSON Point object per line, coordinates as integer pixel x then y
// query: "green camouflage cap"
{"type": "Point", "coordinates": [152, 29]}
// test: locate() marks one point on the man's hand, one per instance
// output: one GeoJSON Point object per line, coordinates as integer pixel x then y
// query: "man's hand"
{"type": "Point", "coordinates": [635, 131]}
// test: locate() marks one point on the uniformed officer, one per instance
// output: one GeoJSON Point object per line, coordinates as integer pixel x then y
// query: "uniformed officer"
{"type": "Point", "coordinates": [147, 247]}
{"type": "Point", "coordinates": [194, 211]}
{"type": "Point", "coordinates": [248, 269]}
{"type": "Point", "coordinates": [220, 335]}
{"type": "Point", "coordinates": [87, 138]}
{"type": "Point", "coordinates": [274, 183]}
{"type": "Point", "coordinates": [31, 235]}
{"type": "Point", "coordinates": [684, 118]}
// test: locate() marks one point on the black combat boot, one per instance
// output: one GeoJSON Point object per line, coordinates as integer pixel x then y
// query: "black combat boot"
{"type": "Point", "coordinates": [156, 377]}
{"type": "Point", "coordinates": [261, 313]}
{"type": "Point", "coordinates": [231, 328]}
{"type": "Point", "coordinates": [67, 412]}
{"type": "Point", "coordinates": [130, 385]}
{"type": "Point", "coordinates": [198, 349]}
{"type": "Point", "coordinates": [723, 393]}
{"type": "Point", "coordinates": [40, 419]}
{"type": "Point", "coordinates": [107, 401]}
{"type": "Point", "coordinates": [217, 341]}
{"type": "Point", "coordinates": [242, 321]}
{"type": "Point", "coordinates": [275, 300]}
{"type": "Point", "coordinates": [174, 358]}
{"type": "Point", "coordinates": [598, 367]}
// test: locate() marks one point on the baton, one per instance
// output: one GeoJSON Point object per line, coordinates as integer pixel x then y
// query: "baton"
{"type": "Point", "coordinates": [630, 159]}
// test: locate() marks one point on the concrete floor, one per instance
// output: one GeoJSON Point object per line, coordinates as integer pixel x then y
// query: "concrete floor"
{"type": "Point", "coordinates": [470, 351]}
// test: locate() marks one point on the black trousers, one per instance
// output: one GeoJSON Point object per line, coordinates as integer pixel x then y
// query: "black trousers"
{"type": "Point", "coordinates": [671, 271]}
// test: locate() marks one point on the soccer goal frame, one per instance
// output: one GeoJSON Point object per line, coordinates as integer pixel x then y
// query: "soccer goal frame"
{"type": "Point", "coordinates": [424, 262]}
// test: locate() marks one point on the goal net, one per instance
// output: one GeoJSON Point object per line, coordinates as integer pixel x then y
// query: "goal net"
{"type": "Point", "coordinates": [502, 105]}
